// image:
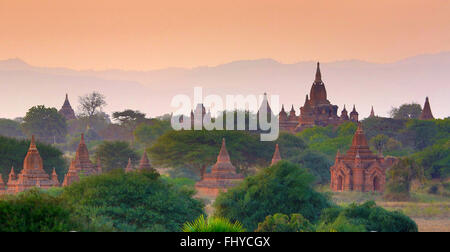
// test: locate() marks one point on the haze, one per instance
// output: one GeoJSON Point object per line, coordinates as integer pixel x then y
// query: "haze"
{"type": "Point", "coordinates": [144, 35]}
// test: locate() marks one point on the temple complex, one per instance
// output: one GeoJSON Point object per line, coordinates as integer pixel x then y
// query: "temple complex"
{"type": "Point", "coordinates": [426, 111]}
{"type": "Point", "coordinates": [222, 177]}
{"type": "Point", "coordinates": [276, 156]}
{"type": "Point", "coordinates": [317, 110]}
{"type": "Point", "coordinates": [67, 110]}
{"type": "Point", "coordinates": [32, 174]}
{"type": "Point", "coordinates": [359, 169]}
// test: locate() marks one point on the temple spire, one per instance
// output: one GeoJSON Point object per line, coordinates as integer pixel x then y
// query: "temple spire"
{"type": "Point", "coordinates": [426, 112]}
{"type": "Point", "coordinates": [223, 154]}
{"type": "Point", "coordinates": [144, 164]}
{"type": "Point", "coordinates": [318, 74]}
{"type": "Point", "coordinates": [129, 167]}
{"type": "Point", "coordinates": [276, 155]}
{"type": "Point", "coordinates": [372, 113]}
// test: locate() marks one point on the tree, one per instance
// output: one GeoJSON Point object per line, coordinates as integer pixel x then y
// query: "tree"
{"type": "Point", "coordinates": [284, 223]}
{"type": "Point", "coordinates": [282, 188]}
{"type": "Point", "coordinates": [13, 153]}
{"type": "Point", "coordinates": [135, 201]}
{"type": "Point", "coordinates": [10, 128]}
{"type": "Point", "coordinates": [129, 117]}
{"type": "Point", "coordinates": [435, 160]}
{"type": "Point", "coordinates": [399, 178]}
{"type": "Point", "coordinates": [316, 163]}
{"type": "Point", "coordinates": [115, 155]}
{"type": "Point", "coordinates": [406, 111]}
{"type": "Point", "coordinates": [147, 134]}
{"type": "Point", "coordinates": [379, 142]}
{"type": "Point", "coordinates": [214, 225]}
{"type": "Point", "coordinates": [423, 133]}
{"type": "Point", "coordinates": [198, 149]}
{"type": "Point", "coordinates": [45, 123]}
{"type": "Point", "coordinates": [91, 103]}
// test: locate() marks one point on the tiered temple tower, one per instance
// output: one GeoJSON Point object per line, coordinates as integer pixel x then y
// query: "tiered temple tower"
{"type": "Point", "coordinates": [426, 111]}
{"type": "Point", "coordinates": [359, 169]}
{"type": "Point", "coordinates": [32, 174]}
{"type": "Point", "coordinates": [129, 167]}
{"type": "Point", "coordinates": [72, 175]}
{"type": "Point", "coordinates": [144, 164]}
{"type": "Point", "coordinates": [67, 110]}
{"type": "Point", "coordinates": [222, 177]}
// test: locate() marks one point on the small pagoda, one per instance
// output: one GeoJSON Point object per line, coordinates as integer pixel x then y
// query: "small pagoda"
{"type": "Point", "coordinates": [426, 111]}
{"type": "Point", "coordinates": [67, 110]}
{"type": "Point", "coordinates": [129, 167]}
{"type": "Point", "coordinates": [222, 177]}
{"type": "Point", "coordinates": [82, 161]}
{"type": "Point", "coordinates": [276, 155]}
{"type": "Point", "coordinates": [144, 164]}
{"type": "Point", "coordinates": [72, 175]}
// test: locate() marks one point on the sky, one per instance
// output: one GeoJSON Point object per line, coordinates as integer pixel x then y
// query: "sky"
{"type": "Point", "coordinates": [145, 35]}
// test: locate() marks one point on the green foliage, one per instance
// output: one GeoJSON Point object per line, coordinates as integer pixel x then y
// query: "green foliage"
{"type": "Point", "coordinates": [283, 188]}
{"type": "Point", "coordinates": [406, 111]}
{"type": "Point", "coordinates": [13, 152]}
{"type": "Point", "coordinates": [316, 163]}
{"type": "Point", "coordinates": [367, 216]}
{"type": "Point", "coordinates": [45, 123]}
{"type": "Point", "coordinates": [115, 155]}
{"type": "Point", "coordinates": [399, 178]}
{"type": "Point", "coordinates": [10, 128]}
{"type": "Point", "coordinates": [136, 201]}
{"type": "Point", "coordinates": [435, 160]}
{"type": "Point", "coordinates": [197, 149]}
{"type": "Point", "coordinates": [387, 126]}
{"type": "Point", "coordinates": [147, 134]}
{"type": "Point", "coordinates": [284, 223]}
{"type": "Point", "coordinates": [379, 142]}
{"type": "Point", "coordinates": [91, 104]}
{"type": "Point", "coordinates": [213, 224]}
{"type": "Point", "coordinates": [423, 133]}
{"type": "Point", "coordinates": [35, 211]}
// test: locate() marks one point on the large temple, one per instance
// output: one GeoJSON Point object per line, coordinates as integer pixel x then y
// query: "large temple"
{"type": "Point", "coordinates": [222, 177]}
{"type": "Point", "coordinates": [67, 110]}
{"type": "Point", "coordinates": [316, 111]}
{"type": "Point", "coordinates": [359, 169]}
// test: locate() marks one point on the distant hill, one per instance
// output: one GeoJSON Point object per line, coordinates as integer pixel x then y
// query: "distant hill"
{"type": "Point", "coordinates": [348, 82]}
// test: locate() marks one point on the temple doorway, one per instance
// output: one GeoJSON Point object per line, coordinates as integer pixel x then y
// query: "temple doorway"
{"type": "Point", "coordinates": [340, 184]}
{"type": "Point", "coordinates": [376, 184]}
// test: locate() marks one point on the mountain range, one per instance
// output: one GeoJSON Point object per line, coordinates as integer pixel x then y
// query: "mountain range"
{"type": "Point", "coordinates": [348, 82]}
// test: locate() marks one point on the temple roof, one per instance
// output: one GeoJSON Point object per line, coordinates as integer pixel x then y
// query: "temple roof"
{"type": "Point", "coordinates": [129, 167]}
{"type": "Point", "coordinates": [82, 160]}
{"type": "Point", "coordinates": [144, 164]}
{"type": "Point", "coordinates": [33, 160]}
{"type": "Point", "coordinates": [372, 113]}
{"type": "Point", "coordinates": [426, 111]}
{"type": "Point", "coordinates": [354, 110]}
{"type": "Point", "coordinates": [223, 156]}
{"type": "Point", "coordinates": [359, 147]}
{"type": "Point", "coordinates": [67, 110]}
{"type": "Point", "coordinates": [318, 93]}
{"type": "Point", "coordinates": [276, 155]}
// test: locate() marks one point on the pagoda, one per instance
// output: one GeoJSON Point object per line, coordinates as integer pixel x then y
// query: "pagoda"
{"type": "Point", "coordinates": [276, 156]}
{"type": "Point", "coordinates": [372, 113]}
{"type": "Point", "coordinates": [144, 164]}
{"type": "Point", "coordinates": [72, 175]}
{"type": "Point", "coordinates": [82, 162]}
{"type": "Point", "coordinates": [359, 169]}
{"type": "Point", "coordinates": [426, 111]}
{"type": "Point", "coordinates": [222, 177]}
{"type": "Point", "coordinates": [129, 167]}
{"type": "Point", "coordinates": [32, 174]}
{"type": "Point", "coordinates": [67, 110]}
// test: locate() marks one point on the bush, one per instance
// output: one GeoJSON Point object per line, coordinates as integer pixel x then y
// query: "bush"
{"type": "Point", "coordinates": [367, 215]}
{"type": "Point", "coordinates": [36, 211]}
{"type": "Point", "coordinates": [136, 201]}
{"type": "Point", "coordinates": [283, 223]}
{"type": "Point", "coordinates": [283, 188]}
{"type": "Point", "coordinates": [340, 224]}
{"type": "Point", "coordinates": [213, 224]}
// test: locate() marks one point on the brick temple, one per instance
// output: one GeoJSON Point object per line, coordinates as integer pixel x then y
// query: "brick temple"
{"type": "Point", "coordinates": [222, 177]}
{"type": "Point", "coordinates": [83, 163]}
{"type": "Point", "coordinates": [359, 169]}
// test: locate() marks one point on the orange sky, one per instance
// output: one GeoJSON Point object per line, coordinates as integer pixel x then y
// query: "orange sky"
{"type": "Point", "coordinates": [132, 34]}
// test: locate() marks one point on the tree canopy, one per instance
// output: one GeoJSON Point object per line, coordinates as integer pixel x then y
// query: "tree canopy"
{"type": "Point", "coordinates": [406, 111]}
{"type": "Point", "coordinates": [45, 123]}
{"type": "Point", "coordinates": [115, 155]}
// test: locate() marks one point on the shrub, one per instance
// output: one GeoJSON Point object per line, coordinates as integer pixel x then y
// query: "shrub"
{"type": "Point", "coordinates": [136, 201]}
{"type": "Point", "coordinates": [213, 224]}
{"type": "Point", "coordinates": [284, 223]}
{"type": "Point", "coordinates": [283, 188]}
